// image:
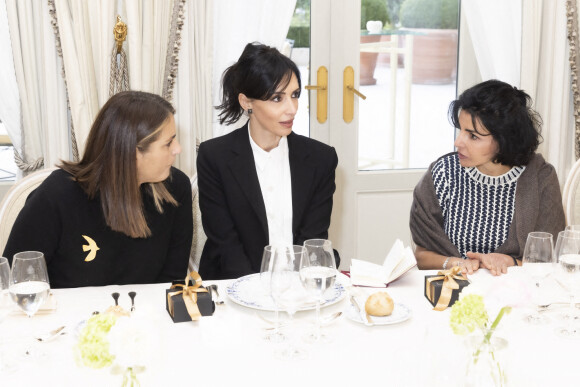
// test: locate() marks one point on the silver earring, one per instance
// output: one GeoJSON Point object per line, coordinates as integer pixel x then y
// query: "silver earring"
{"type": "Point", "coordinates": [249, 111]}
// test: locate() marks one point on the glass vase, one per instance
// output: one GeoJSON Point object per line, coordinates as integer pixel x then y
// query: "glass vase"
{"type": "Point", "coordinates": [486, 365]}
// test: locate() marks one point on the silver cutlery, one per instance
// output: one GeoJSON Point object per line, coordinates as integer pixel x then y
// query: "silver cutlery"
{"type": "Point", "coordinates": [367, 320]}
{"type": "Point", "coordinates": [543, 308]}
{"type": "Point", "coordinates": [218, 300]}
{"type": "Point", "coordinates": [51, 335]}
{"type": "Point", "coordinates": [116, 298]}
{"type": "Point", "coordinates": [132, 295]}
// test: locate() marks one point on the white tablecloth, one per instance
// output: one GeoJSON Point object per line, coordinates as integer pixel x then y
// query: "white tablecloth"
{"type": "Point", "coordinates": [227, 348]}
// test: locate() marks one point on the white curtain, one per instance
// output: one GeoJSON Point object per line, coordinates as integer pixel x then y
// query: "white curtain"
{"type": "Point", "coordinates": [237, 23]}
{"type": "Point", "coordinates": [9, 98]}
{"type": "Point", "coordinates": [86, 35]}
{"type": "Point", "coordinates": [497, 50]}
{"type": "Point", "coordinates": [545, 75]}
{"type": "Point", "coordinates": [36, 115]}
{"type": "Point", "coordinates": [192, 94]}
{"type": "Point", "coordinates": [148, 24]}
{"type": "Point", "coordinates": [85, 30]}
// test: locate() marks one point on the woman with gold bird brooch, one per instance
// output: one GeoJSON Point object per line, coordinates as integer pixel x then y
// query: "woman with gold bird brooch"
{"type": "Point", "coordinates": [121, 215]}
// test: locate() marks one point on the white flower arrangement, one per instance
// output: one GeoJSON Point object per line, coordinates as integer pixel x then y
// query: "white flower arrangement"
{"type": "Point", "coordinates": [126, 344]}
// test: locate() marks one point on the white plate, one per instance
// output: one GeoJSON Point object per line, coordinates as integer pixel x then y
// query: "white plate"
{"type": "Point", "coordinates": [248, 291]}
{"type": "Point", "coordinates": [400, 313]}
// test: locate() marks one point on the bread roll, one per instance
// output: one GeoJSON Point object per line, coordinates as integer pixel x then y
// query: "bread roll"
{"type": "Point", "coordinates": [379, 304]}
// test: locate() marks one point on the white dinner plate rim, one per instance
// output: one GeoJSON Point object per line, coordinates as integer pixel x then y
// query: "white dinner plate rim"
{"type": "Point", "coordinates": [353, 315]}
{"type": "Point", "coordinates": [339, 285]}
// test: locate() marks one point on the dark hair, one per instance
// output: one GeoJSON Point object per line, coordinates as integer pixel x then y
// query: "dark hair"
{"type": "Point", "coordinates": [259, 72]}
{"type": "Point", "coordinates": [130, 120]}
{"type": "Point", "coordinates": [507, 114]}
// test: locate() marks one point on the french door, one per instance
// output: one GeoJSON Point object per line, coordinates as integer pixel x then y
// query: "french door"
{"type": "Point", "coordinates": [374, 194]}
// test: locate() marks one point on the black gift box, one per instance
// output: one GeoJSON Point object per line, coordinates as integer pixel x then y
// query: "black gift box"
{"type": "Point", "coordinates": [434, 286]}
{"type": "Point", "coordinates": [204, 303]}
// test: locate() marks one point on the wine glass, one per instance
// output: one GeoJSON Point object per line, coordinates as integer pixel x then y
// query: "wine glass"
{"type": "Point", "coordinates": [5, 301]}
{"type": "Point", "coordinates": [5, 307]}
{"type": "Point", "coordinates": [287, 289]}
{"type": "Point", "coordinates": [265, 278]}
{"type": "Point", "coordinates": [318, 273]}
{"type": "Point", "coordinates": [568, 253]}
{"type": "Point", "coordinates": [29, 286]}
{"type": "Point", "coordinates": [538, 262]}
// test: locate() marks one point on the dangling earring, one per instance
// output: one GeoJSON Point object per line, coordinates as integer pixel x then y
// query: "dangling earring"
{"type": "Point", "coordinates": [249, 111]}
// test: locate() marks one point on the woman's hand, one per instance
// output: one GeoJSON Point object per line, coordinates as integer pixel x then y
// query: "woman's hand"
{"type": "Point", "coordinates": [468, 266]}
{"type": "Point", "coordinates": [496, 263]}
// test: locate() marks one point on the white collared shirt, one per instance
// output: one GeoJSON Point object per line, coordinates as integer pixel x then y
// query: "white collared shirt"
{"type": "Point", "coordinates": [273, 170]}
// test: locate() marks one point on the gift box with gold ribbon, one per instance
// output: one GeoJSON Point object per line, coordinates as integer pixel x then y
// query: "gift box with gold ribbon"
{"type": "Point", "coordinates": [188, 300]}
{"type": "Point", "coordinates": [442, 289]}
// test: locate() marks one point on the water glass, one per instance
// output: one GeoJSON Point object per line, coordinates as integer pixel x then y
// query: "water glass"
{"type": "Point", "coordinates": [265, 281]}
{"type": "Point", "coordinates": [318, 273]}
{"type": "Point", "coordinates": [29, 285]}
{"type": "Point", "coordinates": [568, 275]}
{"type": "Point", "coordinates": [287, 290]}
{"type": "Point", "coordinates": [538, 262]}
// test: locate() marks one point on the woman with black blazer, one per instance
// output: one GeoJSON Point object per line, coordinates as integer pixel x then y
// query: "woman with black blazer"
{"type": "Point", "coordinates": [261, 184]}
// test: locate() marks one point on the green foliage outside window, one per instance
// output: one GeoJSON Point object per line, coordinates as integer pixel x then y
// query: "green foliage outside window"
{"type": "Point", "coordinates": [441, 14]}
{"type": "Point", "coordinates": [373, 10]}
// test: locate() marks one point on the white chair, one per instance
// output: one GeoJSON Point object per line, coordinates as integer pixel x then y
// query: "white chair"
{"type": "Point", "coordinates": [14, 201]}
{"type": "Point", "coordinates": [199, 236]}
{"type": "Point", "coordinates": [570, 195]}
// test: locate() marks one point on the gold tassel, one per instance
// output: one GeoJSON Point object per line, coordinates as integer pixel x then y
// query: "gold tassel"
{"type": "Point", "coordinates": [119, 70]}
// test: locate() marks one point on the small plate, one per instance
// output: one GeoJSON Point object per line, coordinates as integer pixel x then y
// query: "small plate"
{"type": "Point", "coordinates": [248, 291]}
{"type": "Point", "coordinates": [400, 313]}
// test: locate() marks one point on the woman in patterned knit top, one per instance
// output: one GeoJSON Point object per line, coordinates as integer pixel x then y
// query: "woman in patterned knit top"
{"type": "Point", "coordinates": [475, 207]}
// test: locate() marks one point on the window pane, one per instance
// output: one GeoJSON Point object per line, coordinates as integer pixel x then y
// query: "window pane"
{"type": "Point", "coordinates": [408, 71]}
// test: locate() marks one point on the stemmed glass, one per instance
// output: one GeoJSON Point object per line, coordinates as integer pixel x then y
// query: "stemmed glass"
{"type": "Point", "coordinates": [287, 289]}
{"type": "Point", "coordinates": [5, 306]}
{"type": "Point", "coordinates": [538, 262]}
{"type": "Point", "coordinates": [568, 253]}
{"type": "Point", "coordinates": [5, 301]}
{"type": "Point", "coordinates": [29, 286]}
{"type": "Point", "coordinates": [265, 281]}
{"type": "Point", "coordinates": [318, 273]}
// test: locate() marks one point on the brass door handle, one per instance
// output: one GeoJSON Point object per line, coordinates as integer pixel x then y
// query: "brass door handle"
{"type": "Point", "coordinates": [321, 93]}
{"type": "Point", "coordinates": [361, 95]}
{"type": "Point", "coordinates": [348, 94]}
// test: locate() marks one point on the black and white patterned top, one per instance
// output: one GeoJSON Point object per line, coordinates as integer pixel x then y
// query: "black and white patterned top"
{"type": "Point", "coordinates": [477, 208]}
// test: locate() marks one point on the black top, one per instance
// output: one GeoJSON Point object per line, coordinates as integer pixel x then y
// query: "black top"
{"type": "Point", "coordinates": [232, 207]}
{"type": "Point", "coordinates": [58, 215]}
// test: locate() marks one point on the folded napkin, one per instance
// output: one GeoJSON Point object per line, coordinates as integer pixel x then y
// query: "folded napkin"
{"type": "Point", "coordinates": [399, 260]}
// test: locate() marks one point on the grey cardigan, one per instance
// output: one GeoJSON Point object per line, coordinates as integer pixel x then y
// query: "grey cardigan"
{"type": "Point", "coordinates": [538, 208]}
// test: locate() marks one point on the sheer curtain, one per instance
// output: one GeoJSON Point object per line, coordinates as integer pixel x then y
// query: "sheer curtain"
{"type": "Point", "coordinates": [545, 75]}
{"type": "Point", "coordinates": [237, 23]}
{"type": "Point", "coordinates": [192, 95]}
{"type": "Point", "coordinates": [149, 24]}
{"type": "Point", "coordinates": [36, 114]}
{"type": "Point", "coordinates": [494, 26]}
{"type": "Point", "coordinates": [85, 32]}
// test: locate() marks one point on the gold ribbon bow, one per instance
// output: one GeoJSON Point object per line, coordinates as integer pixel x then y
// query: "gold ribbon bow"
{"type": "Point", "coordinates": [449, 284]}
{"type": "Point", "coordinates": [189, 294]}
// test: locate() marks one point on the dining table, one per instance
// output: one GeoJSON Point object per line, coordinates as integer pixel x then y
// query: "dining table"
{"type": "Point", "coordinates": [228, 348]}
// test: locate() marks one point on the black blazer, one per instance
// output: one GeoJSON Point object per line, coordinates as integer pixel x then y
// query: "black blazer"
{"type": "Point", "coordinates": [232, 207]}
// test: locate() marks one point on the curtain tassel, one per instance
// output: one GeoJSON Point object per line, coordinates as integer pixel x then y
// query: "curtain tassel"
{"type": "Point", "coordinates": [119, 70]}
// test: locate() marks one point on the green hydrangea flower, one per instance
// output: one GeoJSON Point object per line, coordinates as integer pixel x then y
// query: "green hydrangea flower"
{"type": "Point", "coordinates": [93, 347]}
{"type": "Point", "coordinates": [467, 314]}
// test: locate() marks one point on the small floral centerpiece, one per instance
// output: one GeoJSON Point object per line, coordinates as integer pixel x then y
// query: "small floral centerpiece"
{"type": "Point", "coordinates": [470, 316]}
{"type": "Point", "coordinates": [119, 342]}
